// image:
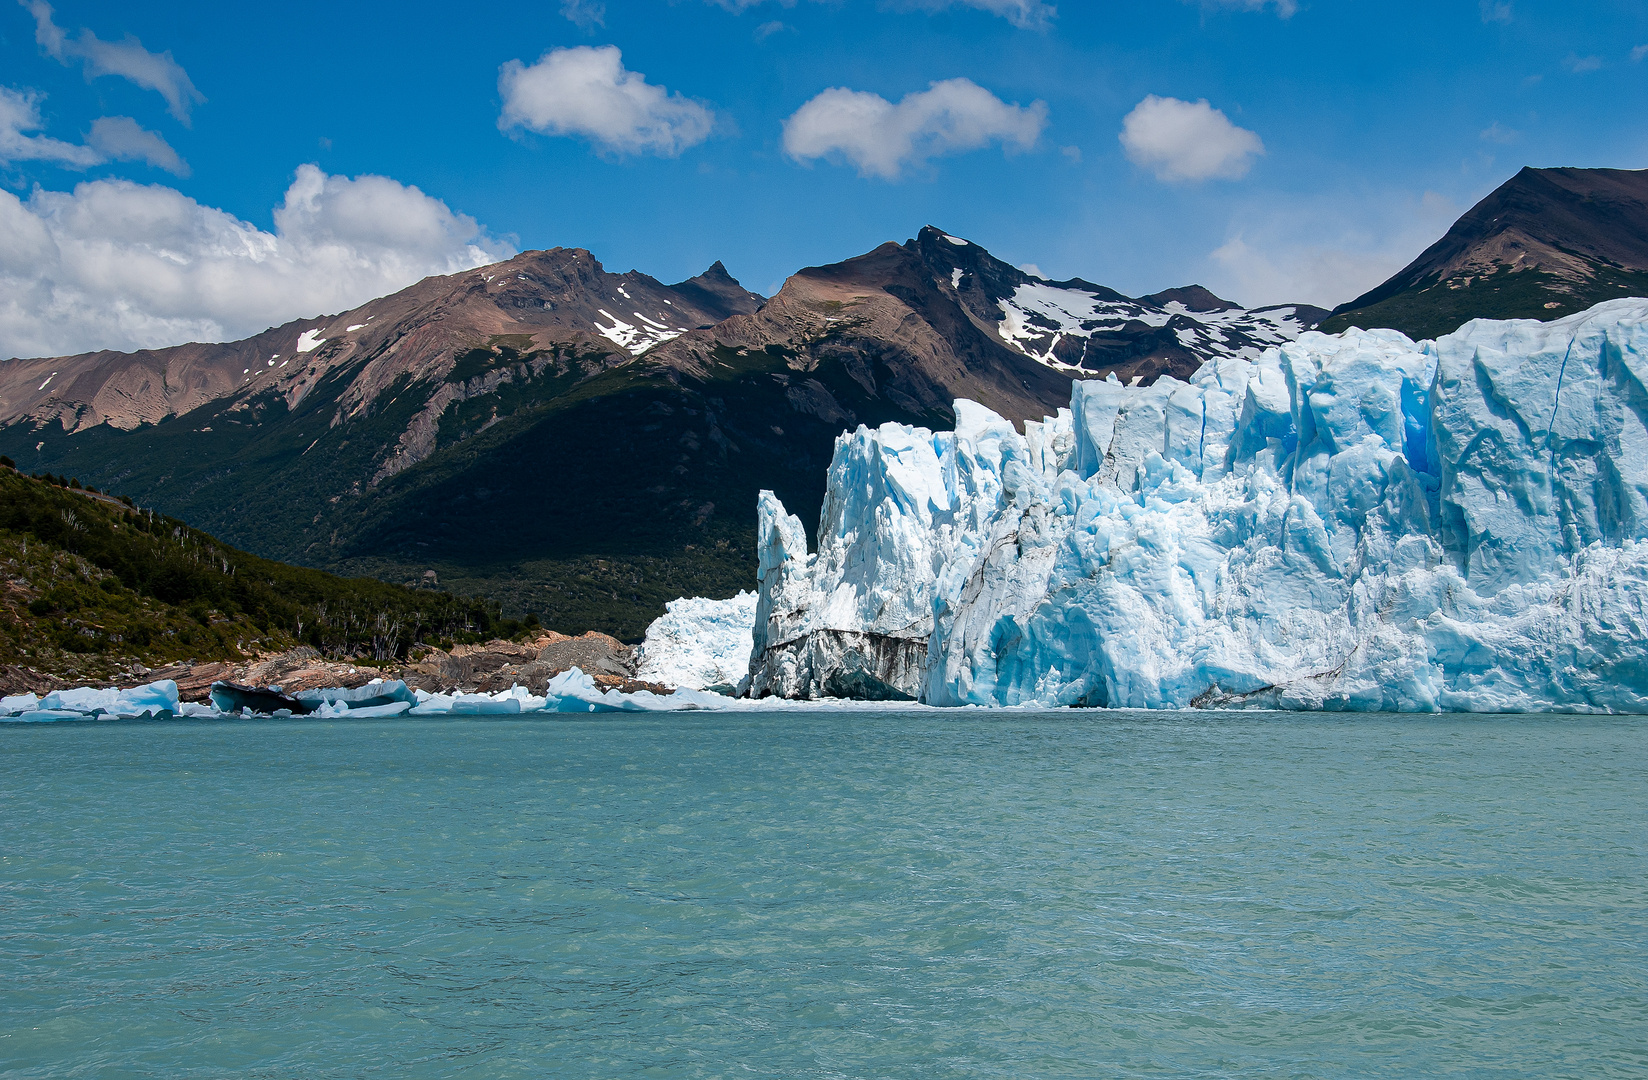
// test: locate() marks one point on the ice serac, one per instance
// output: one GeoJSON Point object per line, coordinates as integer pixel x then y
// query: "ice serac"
{"type": "Point", "coordinates": [700, 644]}
{"type": "Point", "coordinates": [855, 619]}
{"type": "Point", "coordinates": [1344, 522]}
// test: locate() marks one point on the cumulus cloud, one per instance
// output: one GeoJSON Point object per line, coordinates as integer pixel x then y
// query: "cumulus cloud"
{"type": "Point", "coordinates": [119, 265]}
{"type": "Point", "coordinates": [120, 138]}
{"type": "Point", "coordinates": [19, 113]}
{"type": "Point", "coordinates": [1185, 140]}
{"type": "Point", "coordinates": [881, 139]}
{"type": "Point", "coordinates": [588, 91]}
{"type": "Point", "coordinates": [126, 59]}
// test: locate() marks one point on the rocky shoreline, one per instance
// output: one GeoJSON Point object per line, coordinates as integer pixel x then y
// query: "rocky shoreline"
{"type": "Point", "coordinates": [487, 667]}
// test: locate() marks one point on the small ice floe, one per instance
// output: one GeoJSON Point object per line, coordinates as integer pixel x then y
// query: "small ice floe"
{"type": "Point", "coordinates": [151, 700]}
{"type": "Point", "coordinates": [570, 693]}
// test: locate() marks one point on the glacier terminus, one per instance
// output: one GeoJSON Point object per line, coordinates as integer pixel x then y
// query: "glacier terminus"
{"type": "Point", "coordinates": [1346, 522]}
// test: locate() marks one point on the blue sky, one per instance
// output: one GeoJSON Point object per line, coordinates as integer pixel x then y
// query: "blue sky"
{"type": "Point", "coordinates": [1345, 136]}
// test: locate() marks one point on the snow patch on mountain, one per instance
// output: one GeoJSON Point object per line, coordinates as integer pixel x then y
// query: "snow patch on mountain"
{"type": "Point", "coordinates": [1348, 522]}
{"type": "Point", "coordinates": [1040, 314]}
{"type": "Point", "coordinates": [632, 338]}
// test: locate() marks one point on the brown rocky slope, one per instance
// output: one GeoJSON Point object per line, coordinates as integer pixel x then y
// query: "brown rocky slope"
{"type": "Point", "coordinates": [581, 445]}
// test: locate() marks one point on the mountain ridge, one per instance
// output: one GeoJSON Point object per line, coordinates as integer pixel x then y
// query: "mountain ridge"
{"type": "Point", "coordinates": [1544, 244]}
{"type": "Point", "coordinates": [583, 445]}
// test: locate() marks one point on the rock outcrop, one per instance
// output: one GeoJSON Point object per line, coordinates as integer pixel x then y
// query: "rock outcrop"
{"type": "Point", "coordinates": [488, 667]}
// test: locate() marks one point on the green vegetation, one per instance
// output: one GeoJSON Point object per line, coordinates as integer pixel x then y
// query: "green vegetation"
{"type": "Point", "coordinates": [532, 495]}
{"type": "Point", "coordinates": [546, 510]}
{"type": "Point", "coordinates": [1439, 308]}
{"type": "Point", "coordinates": [92, 580]}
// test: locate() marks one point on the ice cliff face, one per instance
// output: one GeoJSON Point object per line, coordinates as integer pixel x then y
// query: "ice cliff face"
{"type": "Point", "coordinates": [699, 644]}
{"type": "Point", "coordinates": [1345, 522]}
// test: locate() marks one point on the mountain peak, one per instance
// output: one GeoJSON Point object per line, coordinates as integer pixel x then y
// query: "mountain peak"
{"type": "Point", "coordinates": [717, 289]}
{"type": "Point", "coordinates": [1193, 297]}
{"type": "Point", "coordinates": [1544, 244]}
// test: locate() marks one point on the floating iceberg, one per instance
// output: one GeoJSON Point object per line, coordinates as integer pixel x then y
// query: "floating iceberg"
{"type": "Point", "coordinates": [700, 644]}
{"type": "Point", "coordinates": [156, 699]}
{"type": "Point", "coordinates": [571, 692]}
{"type": "Point", "coordinates": [1347, 522]}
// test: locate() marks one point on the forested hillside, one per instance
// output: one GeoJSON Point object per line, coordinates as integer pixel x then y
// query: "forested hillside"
{"type": "Point", "coordinates": [93, 585]}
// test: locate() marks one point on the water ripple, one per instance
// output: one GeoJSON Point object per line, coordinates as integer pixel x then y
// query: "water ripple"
{"type": "Point", "coordinates": [1069, 895]}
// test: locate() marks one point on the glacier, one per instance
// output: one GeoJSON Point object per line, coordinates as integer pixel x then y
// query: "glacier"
{"type": "Point", "coordinates": [700, 644]}
{"type": "Point", "coordinates": [1348, 522]}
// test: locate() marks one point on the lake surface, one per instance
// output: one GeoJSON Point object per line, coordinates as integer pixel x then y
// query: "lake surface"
{"type": "Point", "coordinates": [1074, 894]}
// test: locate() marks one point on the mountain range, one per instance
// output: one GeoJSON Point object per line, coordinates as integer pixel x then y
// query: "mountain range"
{"type": "Point", "coordinates": [579, 444]}
{"type": "Point", "coordinates": [585, 446]}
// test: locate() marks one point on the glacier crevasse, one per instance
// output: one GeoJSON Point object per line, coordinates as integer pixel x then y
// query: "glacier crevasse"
{"type": "Point", "coordinates": [1351, 522]}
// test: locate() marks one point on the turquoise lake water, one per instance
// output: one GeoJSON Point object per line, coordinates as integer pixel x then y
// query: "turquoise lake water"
{"type": "Point", "coordinates": [827, 895]}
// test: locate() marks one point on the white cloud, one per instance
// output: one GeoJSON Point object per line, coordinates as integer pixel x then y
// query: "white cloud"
{"type": "Point", "coordinates": [1324, 276]}
{"type": "Point", "coordinates": [1579, 65]}
{"type": "Point", "coordinates": [120, 138]}
{"type": "Point", "coordinates": [1184, 140]}
{"type": "Point", "coordinates": [1499, 133]}
{"type": "Point", "coordinates": [127, 59]}
{"type": "Point", "coordinates": [1034, 14]}
{"type": "Point", "coordinates": [1031, 14]}
{"type": "Point", "coordinates": [114, 264]}
{"type": "Point", "coordinates": [1284, 8]}
{"type": "Point", "coordinates": [881, 139]}
{"type": "Point", "coordinates": [1495, 11]}
{"type": "Point", "coordinates": [112, 138]}
{"type": "Point", "coordinates": [587, 14]}
{"type": "Point", "coordinates": [1322, 251]}
{"type": "Point", "coordinates": [20, 112]}
{"type": "Point", "coordinates": [1638, 53]}
{"type": "Point", "coordinates": [588, 91]}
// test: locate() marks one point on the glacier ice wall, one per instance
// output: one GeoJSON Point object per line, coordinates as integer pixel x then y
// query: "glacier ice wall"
{"type": "Point", "coordinates": [1348, 522]}
{"type": "Point", "coordinates": [699, 644]}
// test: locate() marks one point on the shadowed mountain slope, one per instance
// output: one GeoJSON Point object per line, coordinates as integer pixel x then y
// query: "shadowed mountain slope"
{"type": "Point", "coordinates": [581, 445]}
